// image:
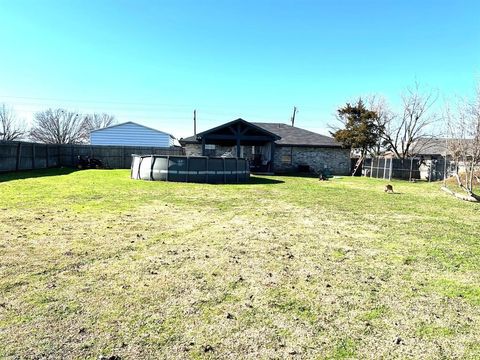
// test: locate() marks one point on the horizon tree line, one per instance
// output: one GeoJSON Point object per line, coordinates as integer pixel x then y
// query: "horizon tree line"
{"type": "Point", "coordinates": [52, 126]}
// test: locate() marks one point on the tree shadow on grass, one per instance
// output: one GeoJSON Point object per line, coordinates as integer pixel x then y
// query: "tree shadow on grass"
{"type": "Point", "coordinates": [27, 174]}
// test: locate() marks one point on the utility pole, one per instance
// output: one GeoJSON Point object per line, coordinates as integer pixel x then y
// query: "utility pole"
{"type": "Point", "coordinates": [293, 115]}
{"type": "Point", "coordinates": [195, 122]}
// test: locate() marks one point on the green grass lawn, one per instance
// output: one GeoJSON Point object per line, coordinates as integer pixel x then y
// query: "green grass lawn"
{"type": "Point", "coordinates": [93, 263]}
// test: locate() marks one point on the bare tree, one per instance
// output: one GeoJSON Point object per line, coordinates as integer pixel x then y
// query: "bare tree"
{"type": "Point", "coordinates": [98, 121]}
{"type": "Point", "coordinates": [401, 133]}
{"type": "Point", "coordinates": [384, 120]}
{"type": "Point", "coordinates": [464, 142]}
{"type": "Point", "coordinates": [59, 126]}
{"type": "Point", "coordinates": [11, 128]}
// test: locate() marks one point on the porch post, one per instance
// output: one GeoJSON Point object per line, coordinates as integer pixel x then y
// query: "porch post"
{"type": "Point", "coordinates": [237, 136]}
{"type": "Point", "coordinates": [238, 147]}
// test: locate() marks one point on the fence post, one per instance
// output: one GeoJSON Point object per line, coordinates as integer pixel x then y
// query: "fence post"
{"type": "Point", "coordinates": [371, 167]}
{"type": "Point", "coordinates": [411, 167]}
{"type": "Point", "coordinates": [225, 172]}
{"type": "Point", "coordinates": [46, 156]}
{"type": "Point", "coordinates": [33, 156]}
{"type": "Point", "coordinates": [206, 175]}
{"type": "Point", "coordinates": [391, 169]}
{"type": "Point", "coordinates": [168, 167]}
{"type": "Point", "coordinates": [445, 169]}
{"type": "Point", "coordinates": [19, 156]}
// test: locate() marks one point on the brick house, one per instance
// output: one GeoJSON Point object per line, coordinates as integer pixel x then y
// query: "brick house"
{"type": "Point", "coordinates": [271, 147]}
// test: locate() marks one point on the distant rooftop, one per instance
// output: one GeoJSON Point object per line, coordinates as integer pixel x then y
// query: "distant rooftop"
{"type": "Point", "coordinates": [433, 146]}
{"type": "Point", "coordinates": [133, 123]}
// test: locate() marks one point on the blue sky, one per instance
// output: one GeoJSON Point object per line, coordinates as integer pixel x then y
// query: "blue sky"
{"type": "Point", "coordinates": [154, 62]}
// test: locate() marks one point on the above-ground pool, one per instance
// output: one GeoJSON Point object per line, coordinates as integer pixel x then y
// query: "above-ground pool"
{"type": "Point", "coordinates": [198, 169]}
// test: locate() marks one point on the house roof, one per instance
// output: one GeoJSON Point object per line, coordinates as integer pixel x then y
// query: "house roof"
{"type": "Point", "coordinates": [134, 123]}
{"type": "Point", "coordinates": [197, 138]}
{"type": "Point", "coordinates": [286, 135]}
{"type": "Point", "coordinates": [292, 135]}
{"type": "Point", "coordinates": [251, 125]}
{"type": "Point", "coordinates": [429, 146]}
{"type": "Point", "coordinates": [437, 146]}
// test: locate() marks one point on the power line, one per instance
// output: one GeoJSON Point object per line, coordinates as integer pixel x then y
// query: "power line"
{"type": "Point", "coordinates": [161, 117]}
{"type": "Point", "coordinates": [158, 112]}
{"type": "Point", "coordinates": [141, 112]}
{"type": "Point", "coordinates": [90, 101]}
{"type": "Point", "coordinates": [117, 102]}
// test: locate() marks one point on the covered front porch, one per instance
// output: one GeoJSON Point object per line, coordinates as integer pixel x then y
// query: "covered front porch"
{"type": "Point", "coordinates": [240, 138]}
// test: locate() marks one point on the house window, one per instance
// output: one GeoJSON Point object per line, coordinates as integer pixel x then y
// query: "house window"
{"type": "Point", "coordinates": [209, 150]}
{"type": "Point", "coordinates": [287, 159]}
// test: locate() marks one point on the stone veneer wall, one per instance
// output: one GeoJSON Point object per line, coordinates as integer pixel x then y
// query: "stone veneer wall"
{"type": "Point", "coordinates": [193, 149]}
{"type": "Point", "coordinates": [196, 150]}
{"type": "Point", "coordinates": [336, 159]}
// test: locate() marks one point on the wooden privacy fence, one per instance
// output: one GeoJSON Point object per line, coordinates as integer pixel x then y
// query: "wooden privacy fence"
{"type": "Point", "coordinates": [20, 155]}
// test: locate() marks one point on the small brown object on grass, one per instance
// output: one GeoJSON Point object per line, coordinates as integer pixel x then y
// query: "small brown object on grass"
{"type": "Point", "coordinates": [388, 189]}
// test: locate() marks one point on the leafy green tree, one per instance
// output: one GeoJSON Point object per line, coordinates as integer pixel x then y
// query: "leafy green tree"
{"type": "Point", "coordinates": [360, 130]}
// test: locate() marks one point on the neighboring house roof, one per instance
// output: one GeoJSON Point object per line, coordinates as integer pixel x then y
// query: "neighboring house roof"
{"type": "Point", "coordinates": [429, 146]}
{"type": "Point", "coordinates": [131, 134]}
{"type": "Point", "coordinates": [433, 146]}
{"type": "Point", "coordinates": [286, 135]}
{"type": "Point", "coordinates": [134, 123]}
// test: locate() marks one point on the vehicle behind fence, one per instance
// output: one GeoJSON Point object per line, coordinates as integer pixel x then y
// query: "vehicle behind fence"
{"type": "Point", "coordinates": [19, 155]}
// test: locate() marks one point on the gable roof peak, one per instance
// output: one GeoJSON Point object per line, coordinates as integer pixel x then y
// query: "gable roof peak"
{"type": "Point", "coordinates": [134, 123]}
